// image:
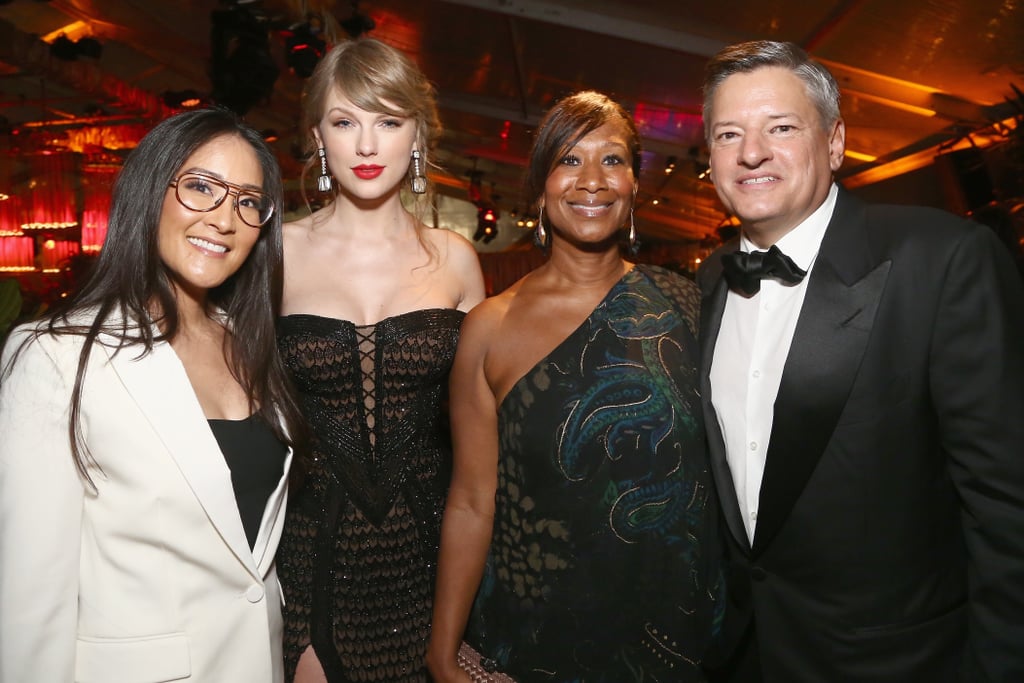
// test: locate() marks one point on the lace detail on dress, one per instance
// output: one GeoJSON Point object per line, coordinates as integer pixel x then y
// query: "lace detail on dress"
{"type": "Point", "coordinates": [358, 554]}
{"type": "Point", "coordinates": [367, 343]}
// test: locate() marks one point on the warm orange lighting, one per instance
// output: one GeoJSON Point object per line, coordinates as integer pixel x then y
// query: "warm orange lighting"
{"type": "Point", "coordinates": [125, 136]}
{"type": "Point", "coordinates": [925, 157]}
{"type": "Point", "coordinates": [896, 104]}
{"type": "Point", "coordinates": [73, 31]}
{"type": "Point", "coordinates": [860, 156]}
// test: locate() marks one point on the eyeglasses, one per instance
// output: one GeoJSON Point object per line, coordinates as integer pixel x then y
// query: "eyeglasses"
{"type": "Point", "coordinates": [200, 192]}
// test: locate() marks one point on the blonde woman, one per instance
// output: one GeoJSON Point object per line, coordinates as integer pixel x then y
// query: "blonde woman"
{"type": "Point", "coordinates": [373, 304]}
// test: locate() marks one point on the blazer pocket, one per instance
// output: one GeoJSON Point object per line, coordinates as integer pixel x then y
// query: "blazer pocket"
{"type": "Point", "coordinates": [952, 620]}
{"type": "Point", "coordinates": [149, 659]}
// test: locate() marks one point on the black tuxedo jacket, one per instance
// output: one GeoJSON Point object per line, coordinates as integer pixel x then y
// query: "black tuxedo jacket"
{"type": "Point", "coordinates": [890, 534]}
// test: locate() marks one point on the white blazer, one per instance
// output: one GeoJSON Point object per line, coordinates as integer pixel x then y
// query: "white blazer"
{"type": "Point", "coordinates": [150, 578]}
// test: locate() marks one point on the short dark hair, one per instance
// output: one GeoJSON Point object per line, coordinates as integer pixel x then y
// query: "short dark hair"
{"type": "Point", "coordinates": [755, 54]}
{"type": "Point", "coordinates": [569, 121]}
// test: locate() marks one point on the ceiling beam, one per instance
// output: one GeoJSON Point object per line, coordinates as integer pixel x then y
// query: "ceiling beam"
{"type": "Point", "coordinates": [571, 16]}
{"type": "Point", "coordinates": [32, 55]}
{"type": "Point", "coordinates": [891, 92]}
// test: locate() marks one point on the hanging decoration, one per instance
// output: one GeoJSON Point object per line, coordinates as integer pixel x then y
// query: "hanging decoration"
{"type": "Point", "coordinates": [10, 216]}
{"type": "Point", "coordinates": [97, 186]}
{"type": "Point", "coordinates": [51, 201]}
{"type": "Point", "coordinates": [55, 253]}
{"type": "Point", "coordinates": [17, 254]}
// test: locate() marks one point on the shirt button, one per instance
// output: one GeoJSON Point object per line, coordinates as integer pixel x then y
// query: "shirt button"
{"type": "Point", "coordinates": [254, 593]}
{"type": "Point", "coordinates": [753, 445]}
{"type": "Point", "coordinates": [756, 374]}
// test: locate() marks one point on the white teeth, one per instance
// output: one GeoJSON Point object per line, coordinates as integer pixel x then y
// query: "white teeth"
{"type": "Point", "coordinates": [208, 246]}
{"type": "Point", "coordinates": [757, 181]}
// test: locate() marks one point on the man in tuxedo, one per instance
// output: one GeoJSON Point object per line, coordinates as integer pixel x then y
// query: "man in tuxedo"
{"type": "Point", "coordinates": [863, 386]}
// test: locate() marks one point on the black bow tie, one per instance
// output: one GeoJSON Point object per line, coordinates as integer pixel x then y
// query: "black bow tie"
{"type": "Point", "coordinates": [745, 270]}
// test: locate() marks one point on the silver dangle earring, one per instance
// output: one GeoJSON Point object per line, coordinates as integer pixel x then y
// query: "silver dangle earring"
{"type": "Point", "coordinates": [323, 183]}
{"type": "Point", "coordinates": [540, 235]}
{"type": "Point", "coordinates": [419, 181]}
{"type": "Point", "coordinates": [634, 243]}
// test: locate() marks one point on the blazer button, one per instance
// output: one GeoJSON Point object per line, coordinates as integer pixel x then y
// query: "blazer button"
{"type": "Point", "coordinates": [254, 593]}
{"type": "Point", "coordinates": [758, 574]}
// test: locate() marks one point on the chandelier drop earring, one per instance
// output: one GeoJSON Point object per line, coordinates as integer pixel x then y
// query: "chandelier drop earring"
{"type": "Point", "coordinates": [419, 181]}
{"type": "Point", "coordinates": [540, 235]}
{"type": "Point", "coordinates": [323, 183]}
{"type": "Point", "coordinates": [634, 243]}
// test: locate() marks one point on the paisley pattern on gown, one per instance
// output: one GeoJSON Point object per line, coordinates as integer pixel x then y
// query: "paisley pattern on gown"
{"type": "Point", "coordinates": [358, 555]}
{"type": "Point", "coordinates": [604, 564]}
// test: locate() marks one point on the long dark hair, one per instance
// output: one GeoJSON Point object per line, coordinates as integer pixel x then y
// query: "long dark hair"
{"type": "Point", "coordinates": [130, 281]}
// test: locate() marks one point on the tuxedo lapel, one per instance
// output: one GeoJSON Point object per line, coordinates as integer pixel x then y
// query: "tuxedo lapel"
{"type": "Point", "coordinates": [272, 522]}
{"type": "Point", "coordinates": [712, 306]}
{"type": "Point", "coordinates": [160, 387]}
{"type": "Point", "coordinates": [831, 334]}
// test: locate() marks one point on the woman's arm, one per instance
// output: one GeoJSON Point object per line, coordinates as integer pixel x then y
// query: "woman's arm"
{"type": "Point", "coordinates": [41, 498]}
{"type": "Point", "coordinates": [469, 513]}
{"type": "Point", "coordinates": [466, 262]}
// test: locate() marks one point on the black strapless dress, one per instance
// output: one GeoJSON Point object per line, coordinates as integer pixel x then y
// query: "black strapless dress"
{"type": "Point", "coordinates": [358, 555]}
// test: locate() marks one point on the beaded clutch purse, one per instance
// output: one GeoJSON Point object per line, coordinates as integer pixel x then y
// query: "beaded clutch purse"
{"type": "Point", "coordinates": [480, 669]}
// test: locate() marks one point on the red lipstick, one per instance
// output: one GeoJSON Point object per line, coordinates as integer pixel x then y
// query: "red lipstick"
{"type": "Point", "coordinates": [367, 171]}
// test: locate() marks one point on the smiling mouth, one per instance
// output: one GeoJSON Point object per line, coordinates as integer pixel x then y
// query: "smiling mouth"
{"type": "Point", "coordinates": [368, 172]}
{"type": "Point", "coordinates": [206, 245]}
{"type": "Point", "coordinates": [590, 209]}
{"type": "Point", "coordinates": [759, 181]}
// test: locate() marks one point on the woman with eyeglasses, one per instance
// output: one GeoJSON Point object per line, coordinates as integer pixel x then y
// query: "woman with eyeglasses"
{"type": "Point", "coordinates": [147, 431]}
{"type": "Point", "coordinates": [373, 304]}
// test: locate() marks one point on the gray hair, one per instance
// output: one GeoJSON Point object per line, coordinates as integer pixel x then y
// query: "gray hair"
{"type": "Point", "coordinates": [750, 56]}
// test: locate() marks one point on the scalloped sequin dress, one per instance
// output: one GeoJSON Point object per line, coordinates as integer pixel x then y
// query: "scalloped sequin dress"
{"type": "Point", "coordinates": [358, 555]}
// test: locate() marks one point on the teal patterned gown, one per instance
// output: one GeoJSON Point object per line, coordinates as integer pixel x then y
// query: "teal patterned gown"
{"type": "Point", "coordinates": [604, 564]}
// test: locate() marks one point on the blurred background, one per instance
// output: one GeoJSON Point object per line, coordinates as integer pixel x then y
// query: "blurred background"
{"type": "Point", "coordinates": [931, 96]}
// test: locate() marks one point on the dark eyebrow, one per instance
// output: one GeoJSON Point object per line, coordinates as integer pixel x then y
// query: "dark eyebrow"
{"type": "Point", "coordinates": [197, 170]}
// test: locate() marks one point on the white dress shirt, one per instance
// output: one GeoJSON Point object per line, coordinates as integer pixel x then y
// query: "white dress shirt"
{"type": "Point", "coordinates": [750, 353]}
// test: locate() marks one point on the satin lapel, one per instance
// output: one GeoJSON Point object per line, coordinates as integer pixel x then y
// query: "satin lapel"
{"type": "Point", "coordinates": [712, 306]}
{"type": "Point", "coordinates": [831, 334]}
{"type": "Point", "coordinates": [272, 523]}
{"type": "Point", "coordinates": [159, 386]}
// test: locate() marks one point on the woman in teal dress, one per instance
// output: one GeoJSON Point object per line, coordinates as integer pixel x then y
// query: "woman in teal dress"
{"type": "Point", "coordinates": [579, 540]}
